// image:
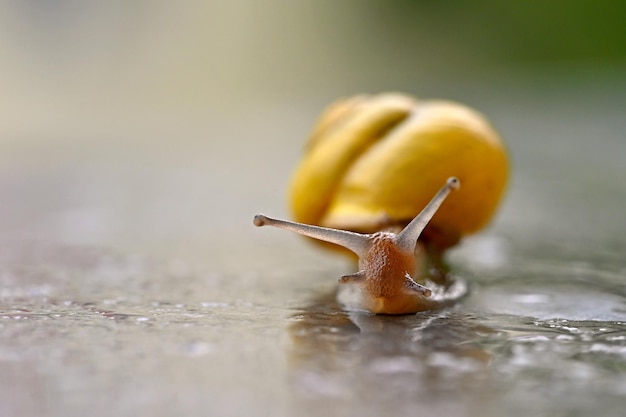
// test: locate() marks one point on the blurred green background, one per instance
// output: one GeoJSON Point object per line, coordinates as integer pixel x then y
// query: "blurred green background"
{"type": "Point", "coordinates": [140, 62]}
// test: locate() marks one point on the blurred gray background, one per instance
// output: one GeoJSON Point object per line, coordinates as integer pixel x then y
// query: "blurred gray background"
{"type": "Point", "coordinates": [186, 103]}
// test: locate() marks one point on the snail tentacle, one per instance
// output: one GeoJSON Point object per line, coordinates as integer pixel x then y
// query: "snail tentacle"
{"type": "Point", "coordinates": [353, 278]}
{"type": "Point", "coordinates": [407, 238]}
{"type": "Point", "coordinates": [356, 242]}
{"type": "Point", "coordinates": [414, 287]}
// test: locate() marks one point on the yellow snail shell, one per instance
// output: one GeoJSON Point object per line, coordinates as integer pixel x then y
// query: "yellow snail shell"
{"type": "Point", "coordinates": [375, 161]}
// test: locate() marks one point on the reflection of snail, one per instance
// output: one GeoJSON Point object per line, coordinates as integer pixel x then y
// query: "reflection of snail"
{"type": "Point", "coordinates": [372, 164]}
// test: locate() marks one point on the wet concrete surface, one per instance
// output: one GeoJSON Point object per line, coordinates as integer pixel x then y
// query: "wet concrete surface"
{"type": "Point", "coordinates": [132, 282]}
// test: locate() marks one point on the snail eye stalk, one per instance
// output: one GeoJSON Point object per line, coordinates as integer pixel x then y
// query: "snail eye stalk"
{"type": "Point", "coordinates": [356, 242]}
{"type": "Point", "coordinates": [360, 243]}
{"type": "Point", "coordinates": [407, 238]}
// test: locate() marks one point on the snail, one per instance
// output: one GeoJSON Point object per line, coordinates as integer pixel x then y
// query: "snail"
{"type": "Point", "coordinates": [371, 164]}
{"type": "Point", "coordinates": [386, 260]}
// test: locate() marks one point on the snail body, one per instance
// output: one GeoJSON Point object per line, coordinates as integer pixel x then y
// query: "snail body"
{"type": "Point", "coordinates": [385, 281]}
